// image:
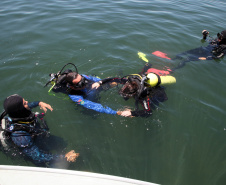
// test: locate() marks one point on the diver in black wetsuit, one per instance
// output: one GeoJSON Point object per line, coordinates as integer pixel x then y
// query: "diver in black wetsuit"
{"type": "Point", "coordinates": [145, 88]}
{"type": "Point", "coordinates": [220, 44]}
{"type": "Point", "coordinates": [20, 127]}
{"type": "Point", "coordinates": [215, 50]}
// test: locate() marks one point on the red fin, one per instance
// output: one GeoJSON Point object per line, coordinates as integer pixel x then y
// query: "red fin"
{"type": "Point", "coordinates": [161, 54]}
{"type": "Point", "coordinates": [158, 72]}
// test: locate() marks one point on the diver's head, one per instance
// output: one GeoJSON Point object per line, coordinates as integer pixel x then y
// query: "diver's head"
{"type": "Point", "coordinates": [75, 80]}
{"type": "Point", "coordinates": [70, 77]}
{"type": "Point", "coordinates": [222, 37]}
{"type": "Point", "coordinates": [130, 88]}
{"type": "Point", "coordinates": [16, 107]}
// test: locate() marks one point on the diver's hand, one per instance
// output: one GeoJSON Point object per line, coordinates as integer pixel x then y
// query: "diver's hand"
{"type": "Point", "coordinates": [126, 113]}
{"type": "Point", "coordinates": [95, 85]}
{"type": "Point", "coordinates": [71, 156]}
{"type": "Point", "coordinates": [205, 33]}
{"type": "Point", "coordinates": [45, 106]}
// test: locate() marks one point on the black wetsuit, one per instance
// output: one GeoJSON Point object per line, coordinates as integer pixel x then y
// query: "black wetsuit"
{"type": "Point", "coordinates": [215, 50]}
{"type": "Point", "coordinates": [23, 132]}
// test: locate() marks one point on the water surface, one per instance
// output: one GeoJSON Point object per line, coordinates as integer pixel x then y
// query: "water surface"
{"type": "Point", "coordinates": [182, 143]}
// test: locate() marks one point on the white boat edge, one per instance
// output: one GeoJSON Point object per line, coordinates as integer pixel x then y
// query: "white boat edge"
{"type": "Point", "coordinates": [22, 175]}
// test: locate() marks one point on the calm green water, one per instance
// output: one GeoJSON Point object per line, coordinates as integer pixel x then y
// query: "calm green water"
{"type": "Point", "coordinates": [183, 143]}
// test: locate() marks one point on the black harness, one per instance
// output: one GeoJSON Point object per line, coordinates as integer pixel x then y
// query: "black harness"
{"type": "Point", "coordinates": [219, 50]}
{"type": "Point", "coordinates": [30, 124]}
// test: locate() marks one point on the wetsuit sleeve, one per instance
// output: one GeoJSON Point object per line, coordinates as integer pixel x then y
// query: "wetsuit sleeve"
{"type": "Point", "coordinates": [92, 78]}
{"type": "Point", "coordinates": [91, 105]}
{"type": "Point", "coordinates": [114, 79]}
{"type": "Point", "coordinates": [141, 113]}
{"type": "Point", "coordinates": [33, 104]}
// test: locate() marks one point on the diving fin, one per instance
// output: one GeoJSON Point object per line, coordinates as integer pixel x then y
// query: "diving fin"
{"type": "Point", "coordinates": [161, 54]}
{"type": "Point", "coordinates": [142, 56]}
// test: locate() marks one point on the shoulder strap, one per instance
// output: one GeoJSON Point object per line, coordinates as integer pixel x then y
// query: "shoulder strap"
{"type": "Point", "coordinates": [29, 119]}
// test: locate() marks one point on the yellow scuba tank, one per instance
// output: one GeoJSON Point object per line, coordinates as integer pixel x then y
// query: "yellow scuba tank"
{"type": "Point", "coordinates": [167, 80]}
{"type": "Point", "coordinates": [155, 80]}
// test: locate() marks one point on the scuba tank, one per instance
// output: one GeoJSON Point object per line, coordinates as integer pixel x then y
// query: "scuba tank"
{"type": "Point", "coordinates": [3, 137]}
{"type": "Point", "coordinates": [153, 79]}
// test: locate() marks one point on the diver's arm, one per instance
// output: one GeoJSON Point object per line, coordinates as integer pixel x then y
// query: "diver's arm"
{"type": "Point", "coordinates": [141, 113]}
{"type": "Point", "coordinates": [92, 105]}
{"type": "Point", "coordinates": [206, 37]}
{"type": "Point", "coordinates": [219, 55]}
{"type": "Point", "coordinates": [109, 81]}
{"type": "Point", "coordinates": [113, 79]}
{"type": "Point", "coordinates": [211, 40]}
{"type": "Point", "coordinates": [42, 105]}
{"type": "Point", "coordinates": [96, 81]}
{"type": "Point", "coordinates": [92, 78]}
{"type": "Point", "coordinates": [138, 113]}
{"type": "Point", "coordinates": [33, 104]}
{"type": "Point", "coordinates": [45, 106]}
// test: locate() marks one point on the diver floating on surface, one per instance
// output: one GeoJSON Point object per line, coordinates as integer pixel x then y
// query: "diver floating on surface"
{"type": "Point", "coordinates": [146, 88]}
{"type": "Point", "coordinates": [21, 129]}
{"type": "Point", "coordinates": [80, 88]}
{"type": "Point", "coordinates": [215, 50]}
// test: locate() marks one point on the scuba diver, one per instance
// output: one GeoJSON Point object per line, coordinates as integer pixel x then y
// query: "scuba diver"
{"type": "Point", "coordinates": [20, 128]}
{"type": "Point", "coordinates": [82, 89]}
{"type": "Point", "coordinates": [146, 88]}
{"type": "Point", "coordinates": [216, 49]}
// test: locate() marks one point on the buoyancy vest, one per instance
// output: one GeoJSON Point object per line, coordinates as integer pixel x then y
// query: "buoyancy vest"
{"type": "Point", "coordinates": [29, 124]}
